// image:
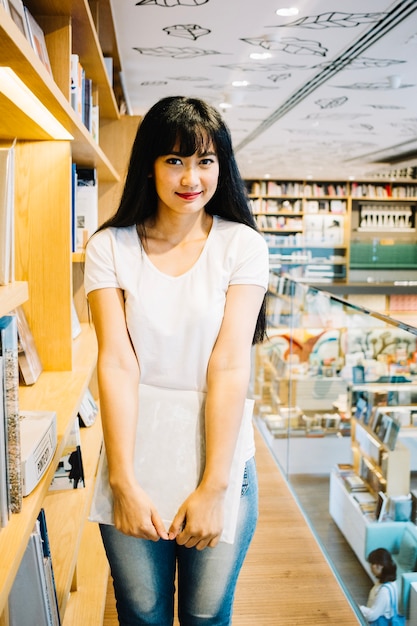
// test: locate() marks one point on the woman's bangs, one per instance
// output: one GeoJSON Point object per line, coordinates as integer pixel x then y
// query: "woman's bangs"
{"type": "Point", "coordinates": [194, 140]}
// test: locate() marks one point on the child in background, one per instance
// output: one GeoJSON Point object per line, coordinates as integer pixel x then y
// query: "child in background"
{"type": "Point", "coordinates": [383, 597]}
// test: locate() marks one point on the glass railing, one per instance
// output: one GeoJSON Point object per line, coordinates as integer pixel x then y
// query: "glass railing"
{"type": "Point", "coordinates": [336, 401]}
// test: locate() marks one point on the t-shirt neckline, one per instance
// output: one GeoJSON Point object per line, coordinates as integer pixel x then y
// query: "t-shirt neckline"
{"type": "Point", "coordinates": [191, 269]}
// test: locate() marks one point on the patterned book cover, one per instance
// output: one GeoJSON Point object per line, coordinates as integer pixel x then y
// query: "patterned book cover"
{"type": "Point", "coordinates": [30, 365]}
{"type": "Point", "coordinates": [9, 352]}
{"type": "Point", "coordinates": [4, 482]}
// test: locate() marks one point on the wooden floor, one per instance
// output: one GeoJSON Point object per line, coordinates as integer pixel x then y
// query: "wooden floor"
{"type": "Point", "coordinates": [286, 579]}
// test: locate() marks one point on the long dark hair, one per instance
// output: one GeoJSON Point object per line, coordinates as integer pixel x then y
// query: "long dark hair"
{"type": "Point", "coordinates": [190, 125]}
{"type": "Point", "coordinates": [383, 557]}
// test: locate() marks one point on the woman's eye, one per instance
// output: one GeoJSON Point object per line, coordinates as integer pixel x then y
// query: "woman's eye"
{"type": "Point", "coordinates": [174, 161]}
{"type": "Point", "coordinates": [206, 161]}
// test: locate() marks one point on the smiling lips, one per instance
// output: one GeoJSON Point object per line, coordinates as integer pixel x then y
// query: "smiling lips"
{"type": "Point", "coordinates": [189, 196]}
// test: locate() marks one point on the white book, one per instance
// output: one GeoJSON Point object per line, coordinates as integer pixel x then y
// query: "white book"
{"type": "Point", "coordinates": [88, 409]}
{"type": "Point", "coordinates": [28, 598]}
{"type": "Point", "coordinates": [86, 207]}
{"type": "Point", "coordinates": [6, 215]}
{"type": "Point", "coordinates": [75, 83]}
{"type": "Point", "coordinates": [170, 456]}
{"type": "Point", "coordinates": [38, 436]}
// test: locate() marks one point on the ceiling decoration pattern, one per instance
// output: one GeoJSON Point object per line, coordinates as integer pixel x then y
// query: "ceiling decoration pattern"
{"type": "Point", "coordinates": [288, 120]}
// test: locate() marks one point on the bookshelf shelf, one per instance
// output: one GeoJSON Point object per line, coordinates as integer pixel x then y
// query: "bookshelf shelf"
{"type": "Point", "coordinates": [12, 296]}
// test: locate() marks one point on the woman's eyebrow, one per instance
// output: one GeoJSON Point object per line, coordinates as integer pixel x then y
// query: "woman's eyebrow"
{"type": "Point", "coordinates": [204, 153]}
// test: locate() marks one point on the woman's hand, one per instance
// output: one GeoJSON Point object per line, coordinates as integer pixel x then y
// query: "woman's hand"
{"type": "Point", "coordinates": [136, 515]}
{"type": "Point", "coordinates": [199, 521]}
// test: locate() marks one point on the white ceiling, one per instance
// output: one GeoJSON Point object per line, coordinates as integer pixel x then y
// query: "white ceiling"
{"type": "Point", "coordinates": [323, 105]}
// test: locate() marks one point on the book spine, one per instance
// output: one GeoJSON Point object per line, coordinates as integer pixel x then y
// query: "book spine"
{"type": "Point", "coordinates": [9, 352]}
{"type": "Point", "coordinates": [4, 483]}
{"type": "Point", "coordinates": [6, 215]}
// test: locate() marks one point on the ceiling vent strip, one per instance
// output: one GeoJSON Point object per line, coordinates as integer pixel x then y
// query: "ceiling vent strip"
{"type": "Point", "coordinates": [400, 12]}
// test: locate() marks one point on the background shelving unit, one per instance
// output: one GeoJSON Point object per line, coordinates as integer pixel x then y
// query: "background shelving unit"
{"type": "Point", "coordinates": [334, 232]}
{"type": "Point", "coordinates": [49, 277]}
{"type": "Point", "coordinates": [384, 230]}
{"type": "Point", "coordinates": [306, 226]}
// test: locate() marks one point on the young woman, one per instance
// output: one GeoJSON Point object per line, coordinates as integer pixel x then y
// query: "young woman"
{"type": "Point", "coordinates": [176, 282]}
{"type": "Point", "coordinates": [383, 597]}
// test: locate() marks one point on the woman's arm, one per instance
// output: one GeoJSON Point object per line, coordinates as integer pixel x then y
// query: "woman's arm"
{"type": "Point", "coordinates": [227, 383]}
{"type": "Point", "coordinates": [118, 380]}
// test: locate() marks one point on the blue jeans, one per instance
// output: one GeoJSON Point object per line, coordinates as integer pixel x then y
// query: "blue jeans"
{"type": "Point", "coordinates": [144, 572]}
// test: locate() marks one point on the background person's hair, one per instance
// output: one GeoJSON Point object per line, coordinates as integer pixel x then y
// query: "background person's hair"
{"type": "Point", "coordinates": [383, 557]}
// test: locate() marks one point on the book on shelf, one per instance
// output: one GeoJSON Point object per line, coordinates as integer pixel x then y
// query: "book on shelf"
{"type": "Point", "coordinates": [6, 215]}
{"type": "Point", "coordinates": [17, 13]}
{"type": "Point", "coordinates": [108, 62]}
{"type": "Point", "coordinates": [49, 570]}
{"type": "Point", "coordinates": [95, 122]}
{"type": "Point", "coordinates": [37, 39]}
{"type": "Point", "coordinates": [86, 205]}
{"type": "Point", "coordinates": [4, 478]}
{"type": "Point", "coordinates": [355, 483]}
{"type": "Point", "coordinates": [81, 92]}
{"type": "Point", "coordinates": [76, 75]}
{"type": "Point", "coordinates": [30, 365]}
{"type": "Point", "coordinates": [69, 473]}
{"type": "Point", "coordinates": [73, 207]}
{"type": "Point", "coordinates": [5, 5]}
{"type": "Point", "coordinates": [9, 352]}
{"type": "Point", "coordinates": [88, 409]}
{"type": "Point", "coordinates": [33, 599]}
{"type": "Point", "coordinates": [75, 322]}
{"type": "Point", "coordinates": [38, 435]}
{"type": "Point", "coordinates": [87, 102]}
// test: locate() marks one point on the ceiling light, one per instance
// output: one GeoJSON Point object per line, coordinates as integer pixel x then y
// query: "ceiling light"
{"type": "Point", "coordinates": [394, 81]}
{"type": "Point", "coordinates": [287, 12]}
{"type": "Point", "coordinates": [15, 90]}
{"type": "Point", "coordinates": [225, 105]}
{"type": "Point", "coordinates": [260, 56]}
{"type": "Point", "coordinates": [240, 83]}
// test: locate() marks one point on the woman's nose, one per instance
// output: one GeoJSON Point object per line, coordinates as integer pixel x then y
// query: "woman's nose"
{"type": "Point", "coordinates": [189, 177]}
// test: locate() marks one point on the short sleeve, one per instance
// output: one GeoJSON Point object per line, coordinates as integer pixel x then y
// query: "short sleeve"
{"type": "Point", "coordinates": [252, 263]}
{"type": "Point", "coordinates": [100, 262]}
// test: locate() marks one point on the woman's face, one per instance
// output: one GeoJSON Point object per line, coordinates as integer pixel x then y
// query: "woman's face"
{"type": "Point", "coordinates": [185, 184]}
{"type": "Point", "coordinates": [376, 569]}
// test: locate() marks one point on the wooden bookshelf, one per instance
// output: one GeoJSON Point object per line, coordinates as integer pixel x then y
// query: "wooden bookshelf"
{"type": "Point", "coordinates": [48, 276]}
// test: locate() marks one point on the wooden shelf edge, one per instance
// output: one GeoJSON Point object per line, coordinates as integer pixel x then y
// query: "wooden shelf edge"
{"type": "Point", "coordinates": [12, 296]}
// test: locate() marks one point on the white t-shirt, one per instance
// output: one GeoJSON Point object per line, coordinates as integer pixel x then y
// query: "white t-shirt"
{"type": "Point", "coordinates": [173, 322]}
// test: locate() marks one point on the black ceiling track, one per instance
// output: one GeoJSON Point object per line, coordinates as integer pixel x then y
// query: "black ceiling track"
{"type": "Point", "coordinates": [400, 12]}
